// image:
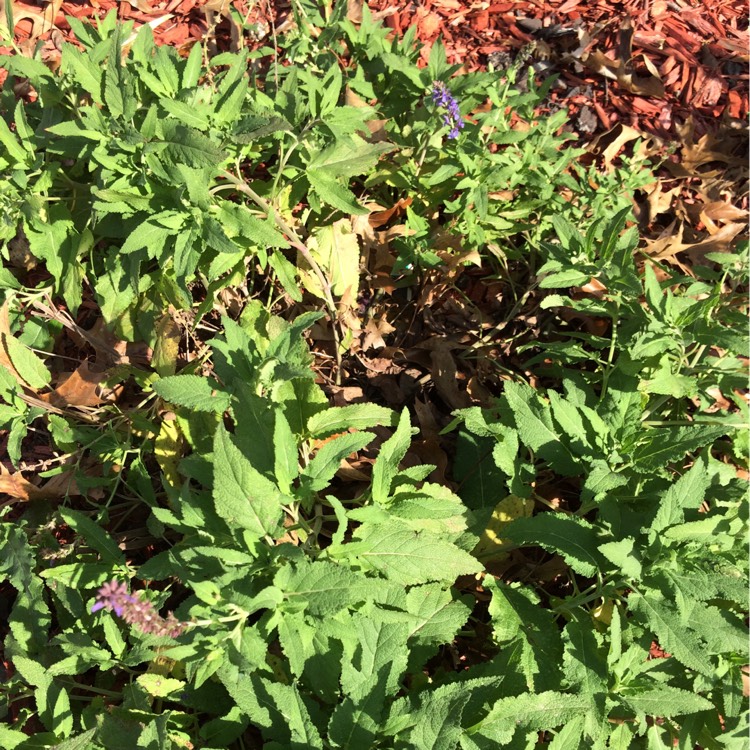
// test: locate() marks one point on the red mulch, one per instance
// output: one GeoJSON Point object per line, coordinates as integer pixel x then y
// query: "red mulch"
{"type": "Point", "coordinates": [650, 65]}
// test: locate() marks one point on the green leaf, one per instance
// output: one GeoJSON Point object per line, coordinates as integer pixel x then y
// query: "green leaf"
{"type": "Point", "coordinates": [115, 79]}
{"type": "Point", "coordinates": [94, 535]}
{"type": "Point", "coordinates": [87, 74]}
{"type": "Point", "coordinates": [437, 616]}
{"type": "Point", "coordinates": [193, 392]}
{"type": "Point", "coordinates": [286, 452]}
{"type": "Point", "coordinates": [193, 65]}
{"type": "Point", "coordinates": [240, 221]}
{"type": "Point", "coordinates": [659, 447]}
{"type": "Point", "coordinates": [79, 742]}
{"type": "Point", "coordinates": [535, 428]}
{"type": "Point", "coordinates": [333, 193]}
{"type": "Point", "coordinates": [516, 614]}
{"type": "Point", "coordinates": [665, 701]}
{"type": "Point", "coordinates": [244, 497]}
{"type": "Point", "coordinates": [408, 557]}
{"type": "Point", "coordinates": [150, 235]}
{"type": "Point", "coordinates": [183, 145]}
{"type": "Point", "coordinates": [390, 455]}
{"type": "Point", "coordinates": [537, 712]}
{"type": "Point", "coordinates": [295, 715]}
{"type": "Point", "coordinates": [672, 635]}
{"type": "Point", "coordinates": [572, 537]}
{"type": "Point", "coordinates": [27, 364]}
{"type": "Point", "coordinates": [569, 737]}
{"type": "Point", "coordinates": [13, 148]}
{"type": "Point", "coordinates": [349, 157]}
{"type": "Point", "coordinates": [29, 619]}
{"type": "Point", "coordinates": [327, 461]}
{"type": "Point", "coordinates": [323, 588]}
{"type": "Point", "coordinates": [354, 416]}
{"type": "Point", "coordinates": [688, 491]}
{"type": "Point", "coordinates": [369, 676]}
{"type": "Point", "coordinates": [189, 115]}
{"type": "Point", "coordinates": [622, 554]}
{"type": "Point", "coordinates": [584, 662]}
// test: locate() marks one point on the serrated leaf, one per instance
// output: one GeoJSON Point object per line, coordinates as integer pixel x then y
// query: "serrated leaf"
{"type": "Point", "coordinates": [150, 235]}
{"type": "Point", "coordinates": [193, 392]}
{"type": "Point", "coordinates": [13, 148]}
{"type": "Point", "coordinates": [390, 455]}
{"type": "Point", "coordinates": [333, 193]}
{"type": "Point", "coordinates": [369, 676]}
{"type": "Point", "coordinates": [324, 587]}
{"type": "Point", "coordinates": [295, 714]}
{"type": "Point", "coordinates": [159, 686]}
{"type": "Point", "coordinates": [327, 460]}
{"type": "Point", "coordinates": [659, 447]}
{"type": "Point", "coordinates": [87, 74]}
{"type": "Point", "coordinates": [584, 662]}
{"type": "Point", "coordinates": [336, 248]}
{"type": "Point", "coordinates": [95, 536]}
{"type": "Point", "coordinates": [666, 701]}
{"type": "Point", "coordinates": [354, 416]}
{"type": "Point", "coordinates": [191, 116]}
{"type": "Point", "coordinates": [115, 78]}
{"type": "Point", "coordinates": [254, 126]}
{"type": "Point", "coordinates": [408, 557]}
{"type": "Point", "coordinates": [673, 636]}
{"type": "Point", "coordinates": [79, 742]}
{"type": "Point", "coordinates": [535, 429]}
{"type": "Point", "coordinates": [687, 492]}
{"type": "Point", "coordinates": [243, 497]}
{"type": "Point", "coordinates": [621, 553]}
{"type": "Point", "coordinates": [239, 220]}
{"type": "Point", "coordinates": [543, 711]}
{"type": "Point", "coordinates": [349, 157]}
{"type": "Point", "coordinates": [575, 540]}
{"type": "Point", "coordinates": [516, 615]}
{"type": "Point", "coordinates": [437, 615]}
{"type": "Point", "coordinates": [286, 452]}
{"type": "Point", "coordinates": [29, 367]}
{"type": "Point", "coordinates": [192, 70]}
{"type": "Point", "coordinates": [183, 145]}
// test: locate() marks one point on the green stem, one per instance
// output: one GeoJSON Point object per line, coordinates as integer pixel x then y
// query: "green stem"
{"type": "Point", "coordinates": [296, 242]}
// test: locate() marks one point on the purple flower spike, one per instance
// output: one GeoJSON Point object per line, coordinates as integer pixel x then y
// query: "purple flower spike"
{"type": "Point", "coordinates": [114, 597]}
{"type": "Point", "coordinates": [444, 99]}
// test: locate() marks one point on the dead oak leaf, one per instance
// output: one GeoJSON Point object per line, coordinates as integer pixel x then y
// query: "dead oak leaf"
{"type": "Point", "coordinates": [14, 485]}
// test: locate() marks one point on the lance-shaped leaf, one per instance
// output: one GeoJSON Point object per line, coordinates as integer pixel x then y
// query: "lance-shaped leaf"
{"type": "Point", "coordinates": [242, 495]}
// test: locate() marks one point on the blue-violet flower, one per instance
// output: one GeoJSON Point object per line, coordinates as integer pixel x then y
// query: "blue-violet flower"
{"type": "Point", "coordinates": [444, 99]}
{"type": "Point", "coordinates": [114, 597]}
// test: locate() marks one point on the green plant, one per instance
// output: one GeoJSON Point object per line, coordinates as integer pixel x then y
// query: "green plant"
{"type": "Point", "coordinates": [222, 577]}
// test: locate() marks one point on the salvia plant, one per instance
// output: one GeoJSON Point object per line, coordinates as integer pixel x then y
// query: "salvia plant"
{"type": "Point", "coordinates": [579, 579]}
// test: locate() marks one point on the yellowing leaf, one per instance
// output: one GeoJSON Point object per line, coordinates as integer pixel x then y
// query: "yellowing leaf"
{"type": "Point", "coordinates": [336, 249]}
{"type": "Point", "coordinates": [491, 545]}
{"type": "Point", "coordinates": [167, 345]}
{"type": "Point", "coordinates": [158, 686]}
{"type": "Point", "coordinates": [168, 451]}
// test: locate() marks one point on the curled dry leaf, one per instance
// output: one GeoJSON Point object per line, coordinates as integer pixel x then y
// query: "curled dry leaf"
{"type": "Point", "coordinates": [42, 19]}
{"type": "Point", "coordinates": [83, 387]}
{"type": "Point", "coordinates": [14, 485]}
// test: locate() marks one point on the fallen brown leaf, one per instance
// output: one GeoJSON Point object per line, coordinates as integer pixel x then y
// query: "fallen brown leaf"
{"type": "Point", "coordinates": [21, 489]}
{"type": "Point", "coordinates": [81, 388]}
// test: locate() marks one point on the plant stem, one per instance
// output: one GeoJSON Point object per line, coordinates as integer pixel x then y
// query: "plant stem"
{"type": "Point", "coordinates": [296, 242]}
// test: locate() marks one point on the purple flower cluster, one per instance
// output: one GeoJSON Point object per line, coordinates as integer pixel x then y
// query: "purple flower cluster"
{"type": "Point", "coordinates": [114, 597]}
{"type": "Point", "coordinates": [452, 118]}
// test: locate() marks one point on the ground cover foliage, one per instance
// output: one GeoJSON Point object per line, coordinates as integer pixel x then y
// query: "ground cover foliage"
{"type": "Point", "coordinates": [224, 547]}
